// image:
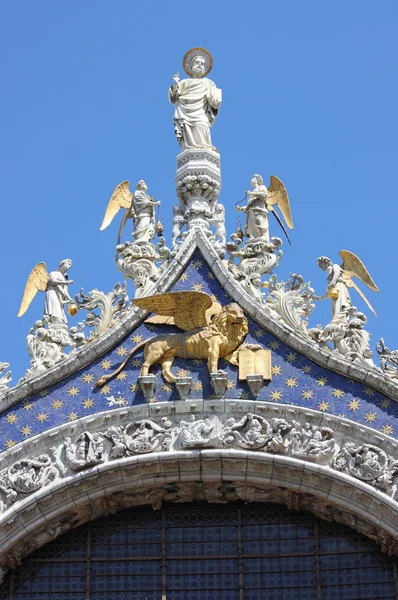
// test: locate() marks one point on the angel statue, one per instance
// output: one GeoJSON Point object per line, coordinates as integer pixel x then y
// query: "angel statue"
{"type": "Point", "coordinates": [340, 278]}
{"type": "Point", "coordinates": [211, 331]}
{"type": "Point", "coordinates": [138, 206]}
{"type": "Point", "coordinates": [262, 201]}
{"type": "Point", "coordinates": [196, 101]}
{"type": "Point", "coordinates": [55, 285]}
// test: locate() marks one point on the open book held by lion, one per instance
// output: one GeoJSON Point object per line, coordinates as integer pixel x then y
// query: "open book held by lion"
{"type": "Point", "coordinates": [212, 332]}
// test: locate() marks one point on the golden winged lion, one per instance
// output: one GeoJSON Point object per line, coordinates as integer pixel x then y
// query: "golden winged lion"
{"type": "Point", "coordinates": [340, 278]}
{"type": "Point", "coordinates": [211, 331]}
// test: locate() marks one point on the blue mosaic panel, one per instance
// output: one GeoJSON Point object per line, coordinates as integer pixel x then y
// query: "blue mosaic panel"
{"type": "Point", "coordinates": [206, 551]}
{"type": "Point", "coordinates": [295, 380]}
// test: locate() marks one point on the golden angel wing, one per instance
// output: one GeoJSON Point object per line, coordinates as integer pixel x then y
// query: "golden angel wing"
{"type": "Point", "coordinates": [188, 309]}
{"type": "Point", "coordinates": [352, 265]}
{"type": "Point", "coordinates": [121, 198]}
{"type": "Point", "coordinates": [37, 282]}
{"type": "Point", "coordinates": [277, 194]}
{"type": "Point", "coordinates": [351, 284]}
{"type": "Point", "coordinates": [211, 312]}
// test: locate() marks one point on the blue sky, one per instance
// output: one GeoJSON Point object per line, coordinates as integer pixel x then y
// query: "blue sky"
{"type": "Point", "coordinates": [309, 95]}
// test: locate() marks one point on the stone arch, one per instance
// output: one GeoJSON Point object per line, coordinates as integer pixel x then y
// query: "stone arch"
{"type": "Point", "coordinates": [51, 490]}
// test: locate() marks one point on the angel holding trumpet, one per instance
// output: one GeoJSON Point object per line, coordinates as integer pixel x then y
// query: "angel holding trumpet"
{"type": "Point", "coordinates": [340, 278]}
{"type": "Point", "coordinates": [261, 201]}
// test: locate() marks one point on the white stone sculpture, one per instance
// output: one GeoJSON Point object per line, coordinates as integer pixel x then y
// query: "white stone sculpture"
{"type": "Point", "coordinates": [178, 223]}
{"type": "Point", "coordinates": [196, 433]}
{"type": "Point", "coordinates": [388, 360]}
{"type": "Point", "coordinates": [218, 221]}
{"type": "Point", "coordinates": [54, 284]}
{"type": "Point", "coordinates": [349, 338]}
{"type": "Point", "coordinates": [46, 342]}
{"type": "Point", "coordinates": [77, 336]}
{"type": "Point", "coordinates": [140, 437]}
{"type": "Point", "coordinates": [260, 254]}
{"type": "Point", "coordinates": [257, 226]}
{"type": "Point", "coordinates": [291, 301]}
{"type": "Point", "coordinates": [340, 278]}
{"type": "Point", "coordinates": [143, 214]}
{"type": "Point", "coordinates": [196, 101]}
{"type": "Point", "coordinates": [368, 463]}
{"type": "Point", "coordinates": [256, 258]}
{"type": "Point", "coordinates": [5, 378]}
{"type": "Point", "coordinates": [104, 310]}
{"type": "Point", "coordinates": [87, 450]}
{"type": "Point", "coordinates": [261, 202]}
{"type": "Point", "coordinates": [57, 294]}
{"type": "Point", "coordinates": [138, 206]}
{"type": "Point", "coordinates": [25, 477]}
{"type": "Point", "coordinates": [311, 442]}
{"type": "Point", "coordinates": [251, 432]}
{"type": "Point", "coordinates": [147, 436]}
{"type": "Point", "coordinates": [136, 259]}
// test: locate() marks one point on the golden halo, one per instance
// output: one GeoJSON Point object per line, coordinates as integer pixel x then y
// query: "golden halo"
{"type": "Point", "coordinates": [190, 55]}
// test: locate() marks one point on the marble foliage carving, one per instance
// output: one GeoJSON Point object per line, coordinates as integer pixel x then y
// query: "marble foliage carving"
{"type": "Point", "coordinates": [5, 378]}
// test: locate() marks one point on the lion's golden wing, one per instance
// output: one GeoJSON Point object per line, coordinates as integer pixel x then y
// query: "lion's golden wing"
{"type": "Point", "coordinates": [353, 266]}
{"type": "Point", "coordinates": [277, 194]}
{"type": "Point", "coordinates": [188, 309]}
{"type": "Point", "coordinates": [121, 198]}
{"type": "Point", "coordinates": [37, 282]}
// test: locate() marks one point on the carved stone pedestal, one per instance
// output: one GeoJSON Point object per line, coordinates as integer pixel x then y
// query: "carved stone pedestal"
{"type": "Point", "coordinates": [147, 384]}
{"type": "Point", "coordinates": [183, 385]}
{"type": "Point", "coordinates": [219, 382]}
{"type": "Point", "coordinates": [255, 383]}
{"type": "Point", "coordinates": [198, 182]}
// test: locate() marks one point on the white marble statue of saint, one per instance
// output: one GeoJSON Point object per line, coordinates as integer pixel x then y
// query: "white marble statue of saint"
{"type": "Point", "coordinates": [196, 101]}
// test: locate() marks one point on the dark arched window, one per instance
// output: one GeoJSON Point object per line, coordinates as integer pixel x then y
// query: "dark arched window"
{"type": "Point", "coordinates": [207, 552]}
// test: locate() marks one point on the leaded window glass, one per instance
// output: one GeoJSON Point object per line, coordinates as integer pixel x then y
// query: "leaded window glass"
{"type": "Point", "coordinates": [207, 552]}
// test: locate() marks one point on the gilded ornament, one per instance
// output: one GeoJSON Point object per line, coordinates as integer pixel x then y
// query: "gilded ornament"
{"type": "Point", "coordinates": [212, 332]}
{"type": "Point", "coordinates": [191, 55]}
{"type": "Point", "coordinates": [72, 309]}
{"type": "Point", "coordinates": [333, 292]}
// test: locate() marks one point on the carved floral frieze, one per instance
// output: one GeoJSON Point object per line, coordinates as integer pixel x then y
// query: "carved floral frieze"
{"type": "Point", "coordinates": [248, 431]}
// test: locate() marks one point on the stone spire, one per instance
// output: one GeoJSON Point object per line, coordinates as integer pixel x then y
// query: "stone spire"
{"type": "Point", "coordinates": [198, 177]}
